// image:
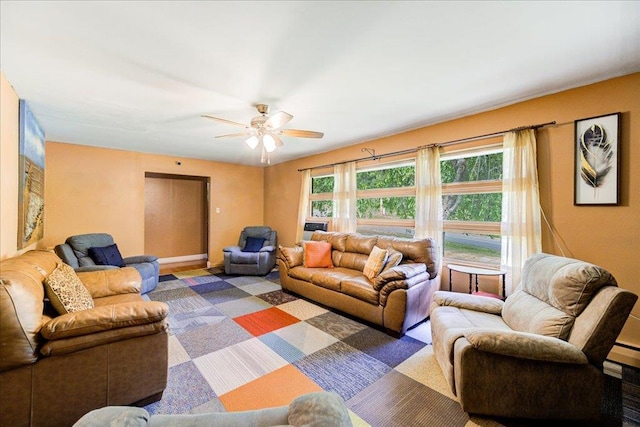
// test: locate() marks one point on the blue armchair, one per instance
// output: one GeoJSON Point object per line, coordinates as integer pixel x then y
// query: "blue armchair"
{"type": "Point", "coordinates": [77, 251]}
{"type": "Point", "coordinates": [255, 253]}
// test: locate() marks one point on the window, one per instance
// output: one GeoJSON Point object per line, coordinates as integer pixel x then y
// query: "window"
{"type": "Point", "coordinates": [386, 201]}
{"type": "Point", "coordinates": [321, 197]}
{"type": "Point", "coordinates": [471, 201]}
{"type": "Point", "coordinates": [472, 206]}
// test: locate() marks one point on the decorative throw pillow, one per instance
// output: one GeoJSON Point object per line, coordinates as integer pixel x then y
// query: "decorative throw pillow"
{"type": "Point", "coordinates": [317, 254]}
{"type": "Point", "coordinates": [319, 409]}
{"type": "Point", "coordinates": [253, 244]}
{"type": "Point", "coordinates": [107, 255]}
{"type": "Point", "coordinates": [66, 292]}
{"type": "Point", "coordinates": [375, 262]}
{"type": "Point", "coordinates": [394, 258]}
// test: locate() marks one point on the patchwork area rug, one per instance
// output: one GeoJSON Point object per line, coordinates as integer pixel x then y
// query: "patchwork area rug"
{"type": "Point", "coordinates": [240, 343]}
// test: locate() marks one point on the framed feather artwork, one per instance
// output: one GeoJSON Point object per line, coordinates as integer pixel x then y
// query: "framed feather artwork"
{"type": "Point", "coordinates": [597, 160]}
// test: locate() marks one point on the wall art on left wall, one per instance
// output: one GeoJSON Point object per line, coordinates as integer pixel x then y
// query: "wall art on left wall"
{"type": "Point", "coordinates": [31, 182]}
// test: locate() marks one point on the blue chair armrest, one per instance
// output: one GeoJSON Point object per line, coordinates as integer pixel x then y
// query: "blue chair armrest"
{"type": "Point", "coordinates": [138, 259]}
{"type": "Point", "coordinates": [267, 249]}
{"type": "Point", "coordinates": [95, 268]}
{"type": "Point", "coordinates": [231, 249]}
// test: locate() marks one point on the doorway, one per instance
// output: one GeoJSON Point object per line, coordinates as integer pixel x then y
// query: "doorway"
{"type": "Point", "coordinates": [176, 217]}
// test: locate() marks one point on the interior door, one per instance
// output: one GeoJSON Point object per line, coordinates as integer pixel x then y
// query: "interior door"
{"type": "Point", "coordinates": [176, 217]}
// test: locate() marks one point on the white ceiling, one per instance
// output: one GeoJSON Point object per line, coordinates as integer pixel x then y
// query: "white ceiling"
{"type": "Point", "coordinates": [137, 75]}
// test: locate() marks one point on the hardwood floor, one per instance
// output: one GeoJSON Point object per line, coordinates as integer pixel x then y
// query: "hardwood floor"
{"type": "Point", "coordinates": [181, 266]}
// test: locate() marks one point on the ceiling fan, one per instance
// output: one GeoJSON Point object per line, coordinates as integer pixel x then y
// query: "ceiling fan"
{"type": "Point", "coordinates": [266, 130]}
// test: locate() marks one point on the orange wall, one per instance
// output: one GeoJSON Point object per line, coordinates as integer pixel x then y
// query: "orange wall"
{"type": "Point", "coordinates": [608, 236]}
{"type": "Point", "coordinates": [90, 189]}
{"type": "Point", "coordinates": [9, 143]}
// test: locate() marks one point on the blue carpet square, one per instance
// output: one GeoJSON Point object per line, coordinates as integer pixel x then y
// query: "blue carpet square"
{"type": "Point", "coordinates": [205, 288]}
{"type": "Point", "coordinates": [186, 389]}
{"type": "Point", "coordinates": [388, 350]}
{"type": "Point", "coordinates": [166, 278]}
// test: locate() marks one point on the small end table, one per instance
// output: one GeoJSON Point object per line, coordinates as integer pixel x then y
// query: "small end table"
{"type": "Point", "coordinates": [471, 271]}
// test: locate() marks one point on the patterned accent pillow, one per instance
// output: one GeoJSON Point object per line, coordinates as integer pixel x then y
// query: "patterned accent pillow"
{"type": "Point", "coordinates": [394, 258]}
{"type": "Point", "coordinates": [375, 263]}
{"type": "Point", "coordinates": [66, 292]}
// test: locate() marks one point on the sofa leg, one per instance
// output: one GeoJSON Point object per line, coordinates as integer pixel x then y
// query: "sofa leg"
{"type": "Point", "coordinates": [394, 334]}
{"type": "Point", "coordinates": [147, 400]}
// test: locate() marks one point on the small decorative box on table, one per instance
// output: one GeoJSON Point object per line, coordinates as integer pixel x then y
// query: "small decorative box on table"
{"type": "Point", "coordinates": [475, 271]}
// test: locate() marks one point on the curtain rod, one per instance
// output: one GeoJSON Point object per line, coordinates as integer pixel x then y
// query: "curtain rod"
{"type": "Point", "coordinates": [438, 144]}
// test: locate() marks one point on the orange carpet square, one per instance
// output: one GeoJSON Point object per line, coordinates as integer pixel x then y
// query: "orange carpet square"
{"type": "Point", "coordinates": [265, 321]}
{"type": "Point", "coordinates": [278, 388]}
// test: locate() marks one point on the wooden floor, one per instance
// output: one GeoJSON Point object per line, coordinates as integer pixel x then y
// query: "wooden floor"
{"type": "Point", "coordinates": [181, 266]}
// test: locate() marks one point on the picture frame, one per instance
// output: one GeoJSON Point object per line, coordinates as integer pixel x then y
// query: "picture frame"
{"type": "Point", "coordinates": [597, 160]}
{"type": "Point", "coordinates": [31, 178]}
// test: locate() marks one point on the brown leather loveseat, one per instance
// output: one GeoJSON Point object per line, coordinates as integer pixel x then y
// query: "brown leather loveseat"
{"type": "Point", "coordinates": [397, 298]}
{"type": "Point", "coordinates": [55, 368]}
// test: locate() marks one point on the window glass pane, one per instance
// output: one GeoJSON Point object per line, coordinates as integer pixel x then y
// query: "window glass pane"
{"type": "Point", "coordinates": [387, 208]}
{"type": "Point", "coordinates": [477, 168]}
{"type": "Point", "coordinates": [322, 184]}
{"type": "Point", "coordinates": [322, 208]}
{"type": "Point", "coordinates": [403, 176]}
{"type": "Point", "coordinates": [472, 207]}
{"type": "Point", "coordinates": [474, 248]}
{"type": "Point", "coordinates": [383, 230]}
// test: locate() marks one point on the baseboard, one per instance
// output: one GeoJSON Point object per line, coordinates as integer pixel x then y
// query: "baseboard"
{"type": "Point", "coordinates": [179, 259]}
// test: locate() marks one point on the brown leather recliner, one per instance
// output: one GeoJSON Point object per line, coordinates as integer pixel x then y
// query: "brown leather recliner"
{"type": "Point", "coordinates": [55, 368]}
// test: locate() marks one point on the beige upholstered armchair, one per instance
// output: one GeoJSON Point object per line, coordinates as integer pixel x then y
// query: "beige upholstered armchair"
{"type": "Point", "coordinates": [540, 353]}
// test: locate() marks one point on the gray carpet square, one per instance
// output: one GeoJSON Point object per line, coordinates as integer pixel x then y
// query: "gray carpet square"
{"type": "Point", "coordinates": [183, 322]}
{"type": "Point", "coordinates": [207, 287]}
{"type": "Point", "coordinates": [378, 404]}
{"type": "Point", "coordinates": [230, 294]}
{"type": "Point", "coordinates": [342, 368]}
{"type": "Point", "coordinates": [336, 325]}
{"type": "Point", "coordinates": [212, 337]}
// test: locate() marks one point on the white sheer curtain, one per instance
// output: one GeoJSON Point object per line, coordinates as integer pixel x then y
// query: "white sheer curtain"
{"type": "Point", "coordinates": [303, 206]}
{"type": "Point", "coordinates": [344, 197]}
{"type": "Point", "coordinates": [429, 195]}
{"type": "Point", "coordinates": [521, 227]}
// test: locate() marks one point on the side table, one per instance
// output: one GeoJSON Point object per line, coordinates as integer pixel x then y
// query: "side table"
{"type": "Point", "coordinates": [471, 271]}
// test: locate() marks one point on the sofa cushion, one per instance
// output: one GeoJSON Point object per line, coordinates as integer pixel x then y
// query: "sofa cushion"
{"type": "Point", "coordinates": [565, 283]}
{"type": "Point", "coordinates": [107, 255]}
{"type": "Point", "coordinates": [66, 292]}
{"type": "Point", "coordinates": [375, 262]}
{"type": "Point", "coordinates": [525, 313]}
{"type": "Point", "coordinates": [359, 287]}
{"type": "Point", "coordinates": [317, 254]}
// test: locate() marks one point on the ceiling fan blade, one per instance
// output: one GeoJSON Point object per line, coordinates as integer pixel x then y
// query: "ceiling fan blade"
{"type": "Point", "coordinates": [233, 135]}
{"type": "Point", "coordinates": [279, 119]}
{"type": "Point", "coordinates": [229, 122]}
{"type": "Point", "coordinates": [302, 133]}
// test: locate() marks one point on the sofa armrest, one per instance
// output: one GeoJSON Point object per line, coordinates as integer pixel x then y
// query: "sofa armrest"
{"type": "Point", "coordinates": [399, 273]}
{"type": "Point", "coordinates": [104, 318]}
{"type": "Point", "coordinates": [524, 345]}
{"type": "Point", "coordinates": [291, 257]}
{"type": "Point", "coordinates": [468, 302]}
{"type": "Point", "coordinates": [95, 268]}
{"type": "Point", "coordinates": [139, 259]}
{"type": "Point", "coordinates": [114, 281]}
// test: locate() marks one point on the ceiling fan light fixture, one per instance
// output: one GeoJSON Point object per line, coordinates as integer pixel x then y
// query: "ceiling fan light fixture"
{"type": "Point", "coordinates": [252, 142]}
{"type": "Point", "coordinates": [269, 143]}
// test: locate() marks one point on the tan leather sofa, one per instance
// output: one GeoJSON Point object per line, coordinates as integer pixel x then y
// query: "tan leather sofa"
{"type": "Point", "coordinates": [540, 353]}
{"type": "Point", "coordinates": [396, 300]}
{"type": "Point", "coordinates": [55, 368]}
